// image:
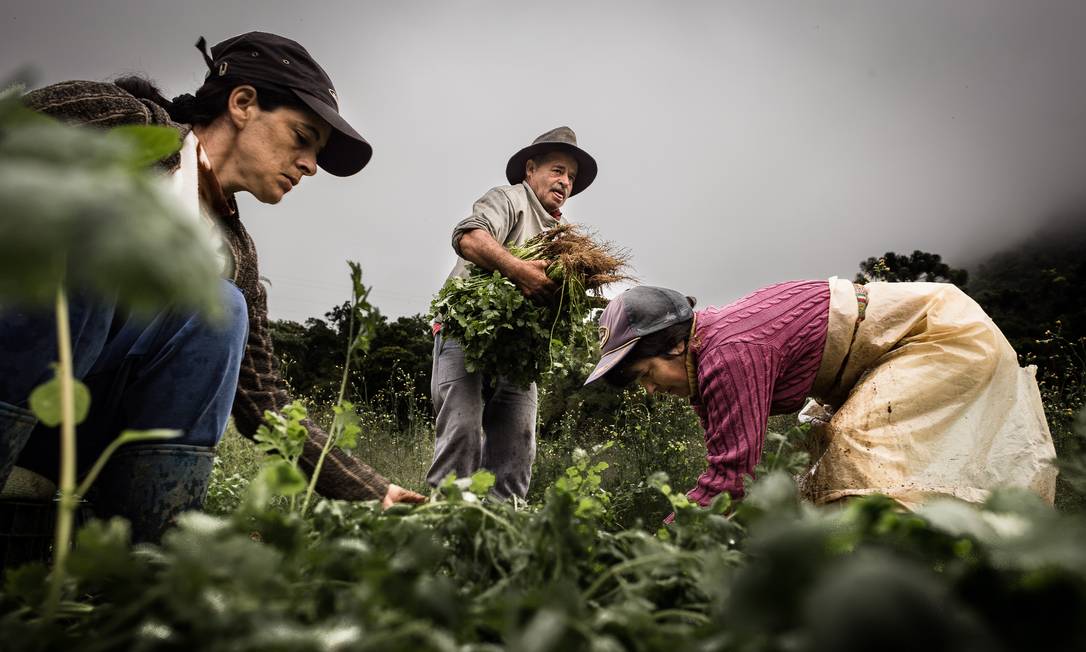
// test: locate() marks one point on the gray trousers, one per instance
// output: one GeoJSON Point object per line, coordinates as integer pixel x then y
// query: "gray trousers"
{"type": "Point", "coordinates": [481, 422]}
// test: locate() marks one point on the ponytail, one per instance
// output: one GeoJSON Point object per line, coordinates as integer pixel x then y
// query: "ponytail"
{"type": "Point", "coordinates": [144, 89]}
{"type": "Point", "coordinates": [210, 100]}
{"type": "Point", "coordinates": [201, 109]}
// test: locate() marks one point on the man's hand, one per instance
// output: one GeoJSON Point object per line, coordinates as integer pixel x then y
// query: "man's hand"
{"type": "Point", "coordinates": [531, 277]}
{"type": "Point", "coordinates": [397, 494]}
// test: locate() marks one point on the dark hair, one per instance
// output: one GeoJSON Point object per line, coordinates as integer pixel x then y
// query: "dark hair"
{"type": "Point", "coordinates": [659, 343]}
{"type": "Point", "coordinates": [210, 100]}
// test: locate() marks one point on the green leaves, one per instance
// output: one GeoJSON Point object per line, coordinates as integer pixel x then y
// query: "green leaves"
{"type": "Point", "coordinates": [365, 316]}
{"type": "Point", "coordinates": [282, 436]}
{"type": "Point", "coordinates": [284, 433]}
{"type": "Point", "coordinates": [481, 482]}
{"type": "Point", "coordinates": [45, 401]}
{"type": "Point", "coordinates": [79, 205]}
{"type": "Point", "coordinates": [582, 483]}
{"type": "Point", "coordinates": [148, 144]}
{"type": "Point", "coordinates": [501, 331]}
{"type": "Point", "coordinates": [505, 334]}
{"type": "Point", "coordinates": [471, 573]}
{"type": "Point", "coordinates": [282, 478]}
{"type": "Point", "coordinates": [349, 425]}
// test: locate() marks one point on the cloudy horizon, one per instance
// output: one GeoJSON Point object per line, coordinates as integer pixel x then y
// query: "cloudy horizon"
{"type": "Point", "coordinates": [739, 144]}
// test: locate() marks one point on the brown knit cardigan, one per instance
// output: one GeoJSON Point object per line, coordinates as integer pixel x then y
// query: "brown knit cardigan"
{"type": "Point", "coordinates": [260, 387]}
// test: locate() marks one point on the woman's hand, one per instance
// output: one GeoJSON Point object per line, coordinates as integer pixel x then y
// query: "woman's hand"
{"type": "Point", "coordinates": [397, 494]}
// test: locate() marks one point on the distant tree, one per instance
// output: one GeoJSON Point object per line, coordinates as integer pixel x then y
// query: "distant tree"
{"type": "Point", "coordinates": [918, 266]}
{"type": "Point", "coordinates": [401, 353]}
{"type": "Point", "coordinates": [1036, 293]}
{"type": "Point", "coordinates": [1037, 286]}
{"type": "Point", "coordinates": [311, 356]}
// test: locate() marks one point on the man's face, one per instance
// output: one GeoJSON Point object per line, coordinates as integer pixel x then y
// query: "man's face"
{"type": "Point", "coordinates": [551, 178]}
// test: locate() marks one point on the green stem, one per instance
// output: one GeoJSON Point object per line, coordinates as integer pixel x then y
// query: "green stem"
{"type": "Point", "coordinates": [127, 437]}
{"type": "Point", "coordinates": [683, 614]}
{"type": "Point", "coordinates": [557, 316]}
{"type": "Point", "coordinates": [91, 475]}
{"type": "Point", "coordinates": [66, 505]}
{"type": "Point", "coordinates": [777, 457]}
{"type": "Point", "coordinates": [489, 514]}
{"type": "Point", "coordinates": [617, 569]}
{"type": "Point", "coordinates": [336, 420]}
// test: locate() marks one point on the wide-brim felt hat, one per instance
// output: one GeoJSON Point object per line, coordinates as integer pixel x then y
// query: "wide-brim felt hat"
{"type": "Point", "coordinates": [562, 139]}
{"type": "Point", "coordinates": [263, 58]}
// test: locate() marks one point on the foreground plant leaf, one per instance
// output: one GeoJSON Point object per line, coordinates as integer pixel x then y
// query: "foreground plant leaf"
{"type": "Point", "coordinates": [282, 478]}
{"type": "Point", "coordinates": [77, 205]}
{"type": "Point", "coordinates": [45, 401]}
{"type": "Point", "coordinates": [478, 574]}
{"type": "Point", "coordinates": [148, 144]}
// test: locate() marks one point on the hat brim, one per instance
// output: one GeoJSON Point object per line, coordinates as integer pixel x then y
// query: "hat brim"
{"type": "Point", "coordinates": [347, 152]}
{"type": "Point", "coordinates": [586, 165]}
{"type": "Point", "coordinates": [609, 360]}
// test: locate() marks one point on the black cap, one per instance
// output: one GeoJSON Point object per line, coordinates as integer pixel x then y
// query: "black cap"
{"type": "Point", "coordinates": [272, 59]}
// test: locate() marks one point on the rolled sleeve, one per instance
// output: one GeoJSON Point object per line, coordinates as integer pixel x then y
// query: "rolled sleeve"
{"type": "Point", "coordinates": [493, 212]}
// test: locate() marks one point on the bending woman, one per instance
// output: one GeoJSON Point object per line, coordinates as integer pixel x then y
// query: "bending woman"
{"type": "Point", "coordinates": [266, 117]}
{"type": "Point", "coordinates": [926, 394]}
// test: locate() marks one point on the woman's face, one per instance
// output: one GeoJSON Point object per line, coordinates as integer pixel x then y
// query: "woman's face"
{"type": "Point", "coordinates": [277, 148]}
{"type": "Point", "coordinates": [663, 373]}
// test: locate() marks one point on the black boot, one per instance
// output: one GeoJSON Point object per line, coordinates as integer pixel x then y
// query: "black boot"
{"type": "Point", "coordinates": [150, 485]}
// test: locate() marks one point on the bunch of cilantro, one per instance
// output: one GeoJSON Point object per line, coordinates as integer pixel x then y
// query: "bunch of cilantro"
{"type": "Point", "coordinates": [503, 333]}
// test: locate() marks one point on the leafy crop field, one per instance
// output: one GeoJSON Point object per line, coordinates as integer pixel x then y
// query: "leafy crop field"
{"type": "Point", "coordinates": [585, 565]}
{"type": "Point", "coordinates": [464, 573]}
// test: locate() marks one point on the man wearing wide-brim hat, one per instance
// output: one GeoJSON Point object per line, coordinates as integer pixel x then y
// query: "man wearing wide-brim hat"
{"type": "Point", "coordinates": [485, 422]}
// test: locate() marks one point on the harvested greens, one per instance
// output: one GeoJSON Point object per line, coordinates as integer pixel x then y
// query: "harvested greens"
{"type": "Point", "coordinates": [503, 333]}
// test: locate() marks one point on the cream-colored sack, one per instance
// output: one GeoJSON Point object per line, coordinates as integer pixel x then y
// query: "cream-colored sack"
{"type": "Point", "coordinates": [932, 401]}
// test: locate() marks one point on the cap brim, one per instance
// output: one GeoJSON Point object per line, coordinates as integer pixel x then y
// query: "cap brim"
{"type": "Point", "coordinates": [347, 152]}
{"type": "Point", "coordinates": [609, 360]}
{"type": "Point", "coordinates": [586, 165]}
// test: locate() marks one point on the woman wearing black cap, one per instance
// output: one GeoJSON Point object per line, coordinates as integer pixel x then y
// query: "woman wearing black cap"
{"type": "Point", "coordinates": [266, 116]}
{"type": "Point", "coordinates": [930, 397]}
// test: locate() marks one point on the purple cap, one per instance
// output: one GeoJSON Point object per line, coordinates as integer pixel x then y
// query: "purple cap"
{"type": "Point", "coordinates": [637, 312]}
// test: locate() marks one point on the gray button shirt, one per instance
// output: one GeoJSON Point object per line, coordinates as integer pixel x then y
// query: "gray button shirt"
{"type": "Point", "coordinates": [511, 214]}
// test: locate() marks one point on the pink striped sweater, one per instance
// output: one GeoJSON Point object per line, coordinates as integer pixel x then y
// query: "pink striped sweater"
{"type": "Point", "coordinates": [755, 357]}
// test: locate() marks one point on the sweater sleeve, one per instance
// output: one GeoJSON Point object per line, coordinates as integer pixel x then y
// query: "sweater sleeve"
{"type": "Point", "coordinates": [735, 383]}
{"type": "Point", "coordinates": [260, 388]}
{"type": "Point", "coordinates": [493, 213]}
{"type": "Point", "coordinates": [101, 104]}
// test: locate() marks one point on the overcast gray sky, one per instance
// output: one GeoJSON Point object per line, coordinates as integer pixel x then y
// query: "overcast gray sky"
{"type": "Point", "coordinates": [739, 143]}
